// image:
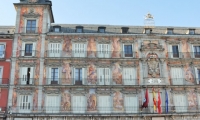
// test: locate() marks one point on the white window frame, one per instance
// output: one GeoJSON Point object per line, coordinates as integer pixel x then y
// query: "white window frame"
{"type": "Point", "coordinates": [30, 99]}
{"type": "Point", "coordinates": [173, 82]}
{"type": "Point", "coordinates": [25, 23]}
{"type": "Point", "coordinates": [23, 77]}
{"type": "Point", "coordinates": [84, 76]}
{"type": "Point", "coordinates": [100, 54]}
{"type": "Point", "coordinates": [123, 51]}
{"type": "Point", "coordinates": [77, 52]}
{"type": "Point", "coordinates": [24, 48]}
{"type": "Point", "coordinates": [196, 75]}
{"type": "Point", "coordinates": [77, 109]}
{"type": "Point", "coordinates": [102, 109]}
{"type": "Point", "coordinates": [104, 79]}
{"type": "Point", "coordinates": [49, 75]}
{"type": "Point", "coordinates": [3, 43]}
{"type": "Point", "coordinates": [57, 108]}
{"type": "Point", "coordinates": [178, 108]}
{"type": "Point", "coordinates": [1, 74]}
{"type": "Point", "coordinates": [130, 109]}
{"type": "Point", "coordinates": [170, 51]}
{"type": "Point", "coordinates": [134, 75]}
{"type": "Point", "coordinates": [193, 55]}
{"type": "Point", "coordinates": [55, 52]}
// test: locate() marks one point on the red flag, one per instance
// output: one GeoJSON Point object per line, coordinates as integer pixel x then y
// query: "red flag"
{"type": "Point", "coordinates": [146, 100]}
{"type": "Point", "coordinates": [154, 100]}
{"type": "Point", "coordinates": [159, 103]}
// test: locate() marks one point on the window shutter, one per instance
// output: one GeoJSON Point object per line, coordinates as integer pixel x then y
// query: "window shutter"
{"type": "Point", "coordinates": [100, 76]}
{"type": "Point", "coordinates": [100, 50]}
{"type": "Point", "coordinates": [133, 51]}
{"type": "Point", "coordinates": [23, 49]}
{"type": "Point", "coordinates": [131, 104]}
{"type": "Point", "coordinates": [50, 50]}
{"type": "Point", "coordinates": [180, 55]}
{"type": "Point", "coordinates": [177, 76]}
{"type": "Point", "coordinates": [33, 49]}
{"type": "Point", "coordinates": [107, 76]}
{"type": "Point", "coordinates": [197, 76]}
{"type": "Point", "coordinates": [74, 75]}
{"type": "Point", "coordinates": [52, 104]}
{"type": "Point", "coordinates": [84, 50]}
{"type": "Point", "coordinates": [23, 75]}
{"type": "Point", "coordinates": [49, 74]}
{"type": "Point", "coordinates": [31, 75]}
{"type": "Point", "coordinates": [107, 50]}
{"type": "Point", "coordinates": [170, 54]}
{"type": "Point", "coordinates": [83, 76]}
{"type": "Point", "coordinates": [123, 51]}
{"type": "Point", "coordinates": [129, 76]}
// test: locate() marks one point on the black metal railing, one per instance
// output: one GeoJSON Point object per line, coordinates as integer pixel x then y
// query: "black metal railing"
{"type": "Point", "coordinates": [185, 81]}
{"type": "Point", "coordinates": [4, 81]}
{"type": "Point", "coordinates": [89, 81]}
{"type": "Point", "coordinates": [28, 53]}
{"type": "Point", "coordinates": [104, 110]}
{"type": "Point", "coordinates": [29, 30]}
{"type": "Point", "coordinates": [183, 54]}
{"type": "Point", "coordinates": [90, 54]}
{"type": "Point", "coordinates": [26, 81]}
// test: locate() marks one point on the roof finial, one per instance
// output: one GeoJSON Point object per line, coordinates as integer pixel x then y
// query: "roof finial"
{"type": "Point", "coordinates": [149, 16]}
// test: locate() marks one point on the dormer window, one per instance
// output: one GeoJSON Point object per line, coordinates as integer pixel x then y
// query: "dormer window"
{"type": "Point", "coordinates": [56, 28]}
{"type": "Point", "coordinates": [169, 31]}
{"type": "Point", "coordinates": [124, 30]}
{"type": "Point", "coordinates": [101, 29]}
{"type": "Point", "coordinates": [79, 29]}
{"type": "Point", "coordinates": [148, 30]}
{"type": "Point", "coordinates": [191, 31]}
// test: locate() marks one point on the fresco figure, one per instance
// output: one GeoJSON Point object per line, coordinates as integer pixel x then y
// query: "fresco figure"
{"type": "Point", "coordinates": [92, 102]}
{"type": "Point", "coordinates": [14, 99]}
{"type": "Point", "coordinates": [189, 76]}
{"type": "Point", "coordinates": [19, 47]}
{"type": "Point", "coordinates": [67, 71]}
{"type": "Point", "coordinates": [116, 49]}
{"type": "Point", "coordinates": [185, 49]}
{"type": "Point", "coordinates": [67, 48]}
{"type": "Point", "coordinates": [66, 101]}
{"type": "Point", "coordinates": [91, 49]}
{"type": "Point", "coordinates": [92, 74]}
{"type": "Point", "coordinates": [35, 100]}
{"type": "Point", "coordinates": [117, 74]}
{"type": "Point", "coordinates": [118, 101]}
{"type": "Point", "coordinates": [192, 99]}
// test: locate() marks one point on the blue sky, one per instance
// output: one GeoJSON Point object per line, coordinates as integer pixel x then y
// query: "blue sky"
{"type": "Point", "coordinates": [116, 12]}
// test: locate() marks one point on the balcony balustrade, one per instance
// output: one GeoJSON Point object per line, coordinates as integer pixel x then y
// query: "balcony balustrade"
{"type": "Point", "coordinates": [186, 55]}
{"type": "Point", "coordinates": [26, 81]}
{"type": "Point", "coordinates": [28, 53]}
{"type": "Point", "coordinates": [29, 30]}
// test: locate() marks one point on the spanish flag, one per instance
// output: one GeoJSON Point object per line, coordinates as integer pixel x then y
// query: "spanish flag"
{"type": "Point", "coordinates": [154, 100]}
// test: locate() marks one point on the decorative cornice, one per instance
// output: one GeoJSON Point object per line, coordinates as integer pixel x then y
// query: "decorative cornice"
{"type": "Point", "coordinates": [127, 41]}
{"type": "Point", "coordinates": [103, 41]}
{"type": "Point", "coordinates": [30, 39]}
{"type": "Point", "coordinates": [194, 41]}
{"type": "Point", "coordinates": [51, 91]}
{"type": "Point", "coordinates": [79, 65]}
{"type": "Point", "coordinates": [173, 41]}
{"type": "Point", "coordinates": [25, 91]}
{"type": "Point", "coordinates": [27, 64]}
{"type": "Point", "coordinates": [79, 40]}
{"type": "Point", "coordinates": [32, 1]}
{"type": "Point", "coordinates": [55, 40]}
{"type": "Point", "coordinates": [78, 92]}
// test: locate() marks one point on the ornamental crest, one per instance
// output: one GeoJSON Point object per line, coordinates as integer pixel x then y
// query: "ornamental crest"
{"type": "Point", "coordinates": [32, 1]}
{"type": "Point", "coordinates": [153, 65]}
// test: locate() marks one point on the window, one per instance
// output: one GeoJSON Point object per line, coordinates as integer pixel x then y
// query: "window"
{"type": "Point", "coordinates": [124, 30]}
{"type": "Point", "coordinates": [56, 29]}
{"type": "Point", "coordinates": [28, 49]}
{"type": "Point", "coordinates": [79, 104]}
{"type": "Point", "coordinates": [103, 50]}
{"type": "Point", "coordinates": [128, 51]}
{"type": "Point", "coordinates": [31, 26]}
{"type": "Point", "coordinates": [196, 51]}
{"type": "Point", "coordinates": [54, 50]}
{"type": "Point", "coordinates": [180, 103]}
{"type": "Point", "coordinates": [131, 104]}
{"type": "Point", "coordinates": [175, 51]}
{"type": "Point", "coordinates": [2, 51]}
{"type": "Point", "coordinates": [197, 72]}
{"type": "Point", "coordinates": [52, 103]}
{"type": "Point", "coordinates": [169, 31]}
{"type": "Point", "coordinates": [191, 31]}
{"type": "Point", "coordinates": [104, 76]}
{"type": "Point", "coordinates": [79, 76]}
{"type": "Point", "coordinates": [1, 74]}
{"type": "Point", "coordinates": [104, 104]}
{"type": "Point", "coordinates": [101, 29]}
{"type": "Point", "coordinates": [177, 76]}
{"type": "Point", "coordinates": [79, 49]}
{"type": "Point", "coordinates": [26, 75]}
{"type": "Point", "coordinates": [54, 75]}
{"type": "Point", "coordinates": [24, 103]}
{"type": "Point", "coordinates": [129, 76]}
{"type": "Point", "coordinates": [79, 29]}
{"type": "Point", "coordinates": [148, 31]}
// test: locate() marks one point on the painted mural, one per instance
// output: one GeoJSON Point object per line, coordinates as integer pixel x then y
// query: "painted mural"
{"type": "Point", "coordinates": [92, 100]}
{"type": "Point", "coordinates": [14, 99]}
{"type": "Point", "coordinates": [116, 48]}
{"type": "Point", "coordinates": [185, 49]}
{"type": "Point", "coordinates": [67, 47]}
{"type": "Point", "coordinates": [35, 100]}
{"type": "Point", "coordinates": [65, 100]}
{"type": "Point", "coordinates": [189, 74]}
{"type": "Point", "coordinates": [66, 73]}
{"type": "Point", "coordinates": [92, 74]}
{"type": "Point", "coordinates": [117, 73]}
{"type": "Point", "coordinates": [91, 48]}
{"type": "Point", "coordinates": [19, 47]}
{"type": "Point", "coordinates": [192, 99]}
{"type": "Point", "coordinates": [118, 101]}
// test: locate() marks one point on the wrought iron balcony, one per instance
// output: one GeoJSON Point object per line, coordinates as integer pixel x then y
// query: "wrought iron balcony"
{"type": "Point", "coordinates": [28, 53]}
{"type": "Point", "coordinates": [29, 30]}
{"type": "Point", "coordinates": [187, 55]}
{"type": "Point", "coordinates": [69, 110]}
{"type": "Point", "coordinates": [26, 81]}
{"type": "Point", "coordinates": [4, 81]}
{"type": "Point", "coordinates": [89, 54]}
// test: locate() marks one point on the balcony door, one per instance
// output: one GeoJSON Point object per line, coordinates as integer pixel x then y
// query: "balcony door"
{"type": "Point", "coordinates": [52, 104]}
{"type": "Point", "coordinates": [180, 103]}
{"type": "Point", "coordinates": [104, 76]}
{"type": "Point", "coordinates": [79, 49]}
{"type": "Point", "coordinates": [129, 76]}
{"type": "Point", "coordinates": [54, 50]}
{"type": "Point", "coordinates": [79, 104]}
{"type": "Point", "coordinates": [53, 76]}
{"type": "Point", "coordinates": [25, 103]}
{"type": "Point", "coordinates": [104, 51]}
{"type": "Point", "coordinates": [26, 77]}
{"type": "Point", "coordinates": [79, 76]}
{"type": "Point", "coordinates": [177, 76]}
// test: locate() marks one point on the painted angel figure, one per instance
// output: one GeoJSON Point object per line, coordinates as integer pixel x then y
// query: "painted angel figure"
{"type": "Point", "coordinates": [67, 71]}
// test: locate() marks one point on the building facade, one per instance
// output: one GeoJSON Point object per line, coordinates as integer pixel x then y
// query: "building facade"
{"type": "Point", "coordinates": [6, 39]}
{"type": "Point", "coordinates": [100, 72]}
